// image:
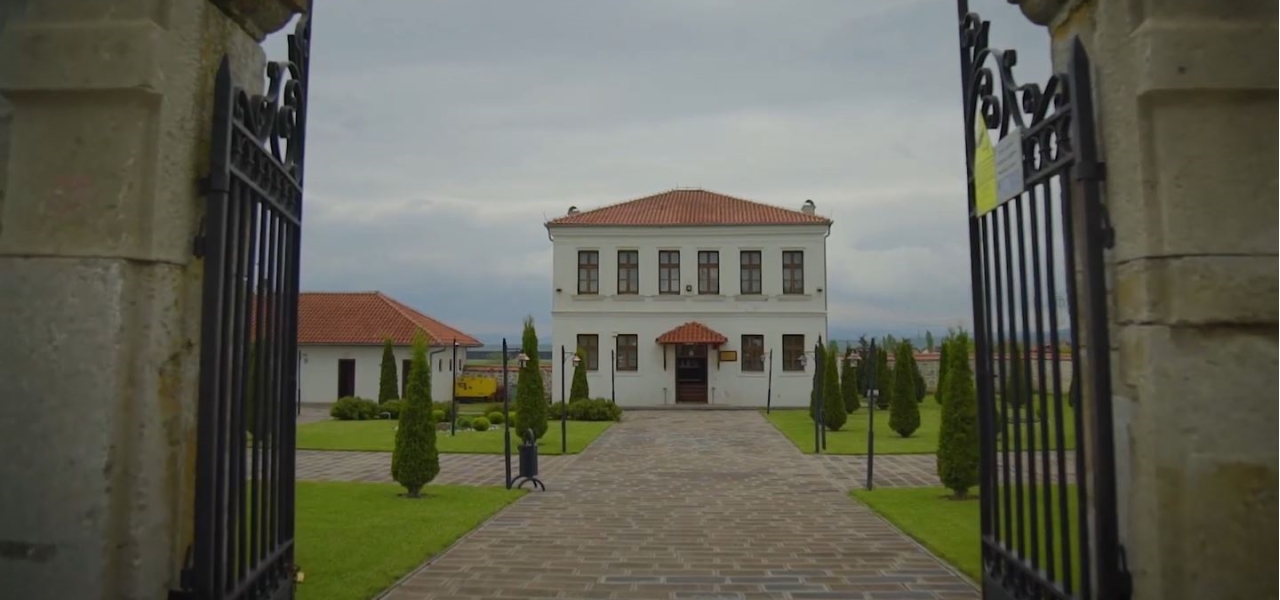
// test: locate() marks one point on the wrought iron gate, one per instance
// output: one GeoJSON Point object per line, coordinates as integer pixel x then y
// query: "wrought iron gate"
{"type": "Point", "coordinates": [1049, 523]}
{"type": "Point", "coordinates": [244, 505]}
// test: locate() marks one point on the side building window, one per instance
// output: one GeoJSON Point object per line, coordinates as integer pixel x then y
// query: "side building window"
{"type": "Point", "coordinates": [588, 272]}
{"type": "Point", "coordinates": [708, 272]}
{"type": "Point", "coordinates": [589, 344]}
{"type": "Point", "coordinates": [793, 272]}
{"type": "Point", "coordinates": [668, 271]}
{"type": "Point", "coordinates": [628, 353]}
{"type": "Point", "coordinates": [749, 265]}
{"type": "Point", "coordinates": [346, 377]}
{"type": "Point", "coordinates": [628, 271]}
{"type": "Point", "coordinates": [752, 353]}
{"type": "Point", "coordinates": [792, 350]}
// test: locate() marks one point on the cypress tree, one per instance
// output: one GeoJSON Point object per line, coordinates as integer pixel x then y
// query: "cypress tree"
{"type": "Point", "coordinates": [958, 451]}
{"type": "Point", "coordinates": [928, 341]}
{"type": "Point", "coordinates": [387, 378]}
{"type": "Point", "coordinates": [578, 390]}
{"type": "Point", "coordinates": [922, 389]}
{"type": "Point", "coordinates": [1019, 384]}
{"type": "Point", "coordinates": [416, 461]}
{"type": "Point", "coordinates": [849, 384]}
{"type": "Point", "coordinates": [904, 409]}
{"type": "Point", "coordinates": [833, 411]}
{"type": "Point", "coordinates": [884, 378]}
{"type": "Point", "coordinates": [531, 404]}
{"type": "Point", "coordinates": [941, 392]}
{"type": "Point", "coordinates": [819, 366]}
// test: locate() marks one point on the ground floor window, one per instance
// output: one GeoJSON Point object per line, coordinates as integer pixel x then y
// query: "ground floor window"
{"type": "Point", "coordinates": [589, 345]}
{"type": "Point", "coordinates": [346, 377]}
{"type": "Point", "coordinates": [792, 352]}
{"type": "Point", "coordinates": [752, 353]}
{"type": "Point", "coordinates": [628, 352]}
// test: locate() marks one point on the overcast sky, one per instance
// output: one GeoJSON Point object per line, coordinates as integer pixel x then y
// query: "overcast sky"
{"type": "Point", "coordinates": [442, 134]}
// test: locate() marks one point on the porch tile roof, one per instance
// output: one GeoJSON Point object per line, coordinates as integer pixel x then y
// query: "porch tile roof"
{"type": "Point", "coordinates": [693, 332]}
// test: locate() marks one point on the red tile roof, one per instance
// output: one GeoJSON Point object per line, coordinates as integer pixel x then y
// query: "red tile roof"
{"type": "Point", "coordinates": [368, 318]}
{"type": "Point", "coordinates": [693, 332]}
{"type": "Point", "coordinates": [689, 207]}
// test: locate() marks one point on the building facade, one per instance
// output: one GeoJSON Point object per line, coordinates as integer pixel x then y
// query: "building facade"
{"type": "Point", "coordinates": [690, 296]}
{"type": "Point", "coordinates": [340, 340]}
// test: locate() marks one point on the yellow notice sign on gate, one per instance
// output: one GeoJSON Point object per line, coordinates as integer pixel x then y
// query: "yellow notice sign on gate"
{"type": "Point", "coordinates": [984, 170]}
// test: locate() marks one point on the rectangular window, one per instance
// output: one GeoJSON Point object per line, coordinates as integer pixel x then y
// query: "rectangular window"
{"type": "Point", "coordinates": [708, 272]}
{"type": "Point", "coordinates": [668, 271]}
{"type": "Point", "coordinates": [589, 344]}
{"type": "Point", "coordinates": [588, 272]}
{"type": "Point", "coordinates": [628, 353]}
{"type": "Point", "coordinates": [404, 377]}
{"type": "Point", "coordinates": [749, 262]}
{"type": "Point", "coordinates": [793, 272]}
{"type": "Point", "coordinates": [753, 353]}
{"type": "Point", "coordinates": [792, 350]}
{"type": "Point", "coordinates": [346, 377]}
{"type": "Point", "coordinates": [628, 271]}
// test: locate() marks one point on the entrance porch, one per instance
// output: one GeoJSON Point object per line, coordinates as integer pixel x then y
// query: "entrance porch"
{"type": "Point", "coordinates": [691, 342]}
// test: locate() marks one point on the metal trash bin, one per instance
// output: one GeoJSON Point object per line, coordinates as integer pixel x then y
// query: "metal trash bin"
{"type": "Point", "coordinates": [529, 462]}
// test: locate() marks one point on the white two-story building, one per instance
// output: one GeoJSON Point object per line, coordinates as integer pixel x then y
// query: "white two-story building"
{"type": "Point", "coordinates": [690, 296]}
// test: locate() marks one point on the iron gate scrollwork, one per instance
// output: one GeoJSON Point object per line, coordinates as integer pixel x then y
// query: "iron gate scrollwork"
{"type": "Point", "coordinates": [244, 505]}
{"type": "Point", "coordinates": [1049, 522]}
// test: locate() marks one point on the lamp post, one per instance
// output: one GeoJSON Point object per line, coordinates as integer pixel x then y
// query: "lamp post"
{"type": "Point", "coordinates": [453, 391]}
{"type": "Point", "coordinates": [506, 416]}
{"type": "Point", "coordinates": [564, 408]}
{"type": "Point", "coordinates": [872, 392]}
{"type": "Point", "coordinates": [768, 399]}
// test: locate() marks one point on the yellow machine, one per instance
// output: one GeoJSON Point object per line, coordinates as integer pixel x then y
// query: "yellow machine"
{"type": "Point", "coordinates": [474, 386]}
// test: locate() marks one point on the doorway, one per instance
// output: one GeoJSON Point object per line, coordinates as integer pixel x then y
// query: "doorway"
{"type": "Point", "coordinates": [691, 373]}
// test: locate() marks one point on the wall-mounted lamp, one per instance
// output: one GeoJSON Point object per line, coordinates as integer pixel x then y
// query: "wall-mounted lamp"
{"type": "Point", "coordinates": [688, 287]}
{"type": "Point", "coordinates": [558, 290]}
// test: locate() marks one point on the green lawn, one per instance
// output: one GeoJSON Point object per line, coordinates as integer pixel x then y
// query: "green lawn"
{"type": "Point", "coordinates": [380, 436]}
{"type": "Point", "coordinates": [852, 438]}
{"type": "Point", "coordinates": [355, 539]}
{"type": "Point", "coordinates": [951, 528]}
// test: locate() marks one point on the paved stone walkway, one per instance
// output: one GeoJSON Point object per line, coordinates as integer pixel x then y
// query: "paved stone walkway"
{"type": "Point", "coordinates": [455, 469]}
{"type": "Point", "coordinates": [676, 505]}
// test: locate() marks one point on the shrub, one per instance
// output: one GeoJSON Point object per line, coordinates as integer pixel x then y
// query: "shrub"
{"type": "Point", "coordinates": [437, 416]}
{"type": "Point", "coordinates": [495, 417]}
{"type": "Point", "coordinates": [578, 389]}
{"type": "Point", "coordinates": [849, 383]}
{"type": "Point", "coordinates": [530, 402]}
{"type": "Point", "coordinates": [416, 460]}
{"type": "Point", "coordinates": [462, 423]}
{"type": "Point", "coordinates": [446, 410]}
{"type": "Point", "coordinates": [387, 377]}
{"type": "Point", "coordinates": [598, 409]}
{"type": "Point", "coordinates": [904, 409]}
{"type": "Point", "coordinates": [958, 451]}
{"type": "Point", "coordinates": [819, 382]}
{"type": "Point", "coordinates": [354, 409]}
{"type": "Point", "coordinates": [480, 424]}
{"type": "Point", "coordinates": [491, 407]}
{"type": "Point", "coordinates": [833, 412]}
{"type": "Point", "coordinates": [394, 407]}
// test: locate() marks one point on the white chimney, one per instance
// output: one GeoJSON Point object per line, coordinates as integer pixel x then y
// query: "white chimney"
{"type": "Point", "coordinates": [808, 207]}
{"type": "Point", "coordinates": [573, 210]}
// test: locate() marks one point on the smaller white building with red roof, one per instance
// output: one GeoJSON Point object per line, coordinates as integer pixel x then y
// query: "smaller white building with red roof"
{"type": "Point", "coordinates": [691, 296]}
{"type": "Point", "coordinates": [340, 339]}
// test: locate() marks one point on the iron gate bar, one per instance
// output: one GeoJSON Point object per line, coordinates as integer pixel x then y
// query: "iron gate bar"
{"type": "Point", "coordinates": [1027, 536]}
{"type": "Point", "coordinates": [244, 503]}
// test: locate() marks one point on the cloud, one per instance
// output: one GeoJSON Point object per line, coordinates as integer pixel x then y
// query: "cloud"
{"type": "Point", "coordinates": [441, 135]}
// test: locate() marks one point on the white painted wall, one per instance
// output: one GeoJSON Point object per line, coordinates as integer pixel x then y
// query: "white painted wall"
{"type": "Point", "coordinates": [318, 370]}
{"type": "Point", "coordinates": [649, 314]}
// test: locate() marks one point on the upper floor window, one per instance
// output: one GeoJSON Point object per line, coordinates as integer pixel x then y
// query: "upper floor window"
{"type": "Point", "coordinates": [588, 272]}
{"type": "Point", "coordinates": [749, 265]}
{"type": "Point", "coordinates": [589, 346]}
{"type": "Point", "coordinates": [793, 272]}
{"type": "Point", "coordinates": [708, 272]}
{"type": "Point", "coordinates": [628, 271]}
{"type": "Point", "coordinates": [668, 271]}
{"type": "Point", "coordinates": [792, 350]}
{"type": "Point", "coordinates": [753, 353]}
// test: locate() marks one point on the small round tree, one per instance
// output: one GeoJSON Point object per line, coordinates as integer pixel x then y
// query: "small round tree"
{"type": "Point", "coordinates": [904, 409]}
{"type": "Point", "coordinates": [849, 384]}
{"type": "Point", "coordinates": [958, 451]}
{"type": "Point", "coordinates": [416, 461]}
{"type": "Point", "coordinates": [387, 378]}
{"type": "Point", "coordinates": [531, 404]}
{"type": "Point", "coordinates": [833, 411]}
{"type": "Point", "coordinates": [579, 390]}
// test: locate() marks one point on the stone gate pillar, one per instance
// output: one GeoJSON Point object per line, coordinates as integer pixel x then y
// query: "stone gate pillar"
{"type": "Point", "coordinates": [1186, 98]}
{"type": "Point", "coordinates": [99, 293]}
